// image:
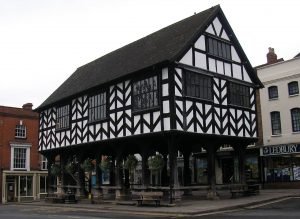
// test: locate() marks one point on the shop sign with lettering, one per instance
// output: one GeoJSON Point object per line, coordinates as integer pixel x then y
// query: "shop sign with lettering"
{"type": "Point", "coordinates": [280, 149]}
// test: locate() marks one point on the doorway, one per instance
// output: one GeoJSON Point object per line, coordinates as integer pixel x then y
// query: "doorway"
{"type": "Point", "coordinates": [227, 170]}
{"type": "Point", "coordinates": [10, 188]}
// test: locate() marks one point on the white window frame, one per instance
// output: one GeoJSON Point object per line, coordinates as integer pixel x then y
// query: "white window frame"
{"type": "Point", "coordinates": [44, 162]}
{"type": "Point", "coordinates": [21, 129]}
{"type": "Point", "coordinates": [45, 185]}
{"type": "Point", "coordinates": [12, 149]}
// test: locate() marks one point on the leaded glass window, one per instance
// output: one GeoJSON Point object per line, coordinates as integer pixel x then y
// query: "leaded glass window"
{"type": "Point", "coordinates": [239, 95]}
{"type": "Point", "coordinates": [63, 117]}
{"type": "Point", "coordinates": [197, 85]}
{"type": "Point", "coordinates": [97, 107]}
{"type": "Point", "coordinates": [275, 123]}
{"type": "Point", "coordinates": [293, 88]}
{"type": "Point", "coordinates": [145, 94]}
{"type": "Point", "coordinates": [295, 113]}
{"type": "Point", "coordinates": [219, 48]}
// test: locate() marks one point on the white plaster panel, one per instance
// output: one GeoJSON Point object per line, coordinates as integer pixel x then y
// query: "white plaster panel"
{"type": "Point", "coordinates": [157, 127]}
{"type": "Point", "coordinates": [224, 35]}
{"type": "Point", "coordinates": [155, 116]}
{"type": "Point", "coordinates": [246, 75]}
{"type": "Point", "coordinates": [200, 43]}
{"type": "Point", "coordinates": [188, 105]}
{"type": "Point", "coordinates": [200, 60]}
{"type": "Point", "coordinates": [179, 115]}
{"type": "Point", "coordinates": [189, 117]}
{"type": "Point", "coordinates": [128, 133]}
{"type": "Point", "coordinates": [178, 126]}
{"type": "Point", "coordinates": [220, 67]}
{"type": "Point", "coordinates": [187, 58]}
{"type": "Point", "coordinates": [165, 90]}
{"type": "Point", "coordinates": [167, 124]}
{"type": "Point", "coordinates": [210, 30]}
{"type": "Point", "coordinates": [146, 129]}
{"type": "Point", "coordinates": [166, 107]}
{"type": "Point", "coordinates": [237, 71]}
{"type": "Point", "coordinates": [227, 69]}
{"type": "Point", "coordinates": [234, 55]}
{"type": "Point", "coordinates": [128, 101]}
{"type": "Point", "coordinates": [165, 73]}
{"type": "Point", "coordinates": [147, 117]}
{"type": "Point", "coordinates": [217, 25]}
{"type": "Point", "coordinates": [199, 106]}
{"type": "Point", "coordinates": [104, 126]}
{"type": "Point", "coordinates": [212, 64]}
{"type": "Point", "coordinates": [179, 104]}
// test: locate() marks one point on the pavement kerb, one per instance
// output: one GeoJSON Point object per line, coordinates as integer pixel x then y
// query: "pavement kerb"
{"type": "Point", "coordinates": [156, 211]}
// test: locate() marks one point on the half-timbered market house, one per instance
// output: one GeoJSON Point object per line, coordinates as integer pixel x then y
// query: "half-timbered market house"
{"type": "Point", "coordinates": [188, 87]}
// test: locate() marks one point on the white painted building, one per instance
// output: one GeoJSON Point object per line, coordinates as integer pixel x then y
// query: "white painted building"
{"type": "Point", "coordinates": [280, 109]}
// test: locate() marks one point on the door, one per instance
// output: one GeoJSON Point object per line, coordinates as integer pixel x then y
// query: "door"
{"type": "Point", "coordinates": [227, 170]}
{"type": "Point", "coordinates": [10, 188]}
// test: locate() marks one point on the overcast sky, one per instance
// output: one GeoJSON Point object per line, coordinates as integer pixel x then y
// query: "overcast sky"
{"type": "Point", "coordinates": [42, 42]}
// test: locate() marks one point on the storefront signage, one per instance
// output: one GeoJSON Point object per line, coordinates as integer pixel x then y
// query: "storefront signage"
{"type": "Point", "coordinates": [280, 149]}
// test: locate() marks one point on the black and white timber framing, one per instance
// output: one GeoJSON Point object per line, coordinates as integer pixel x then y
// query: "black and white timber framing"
{"type": "Point", "coordinates": [169, 54]}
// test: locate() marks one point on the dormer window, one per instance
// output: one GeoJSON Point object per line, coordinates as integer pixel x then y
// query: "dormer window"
{"type": "Point", "coordinates": [62, 117]}
{"type": "Point", "coordinates": [20, 131]}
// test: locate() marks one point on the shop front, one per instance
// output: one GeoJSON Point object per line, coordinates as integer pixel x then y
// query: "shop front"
{"type": "Point", "coordinates": [281, 165]}
{"type": "Point", "coordinates": [21, 186]}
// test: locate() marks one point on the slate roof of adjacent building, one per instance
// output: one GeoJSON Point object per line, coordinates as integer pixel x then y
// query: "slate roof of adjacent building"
{"type": "Point", "coordinates": [165, 45]}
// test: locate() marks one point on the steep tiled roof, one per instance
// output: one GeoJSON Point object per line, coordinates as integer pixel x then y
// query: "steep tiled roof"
{"type": "Point", "coordinates": [160, 46]}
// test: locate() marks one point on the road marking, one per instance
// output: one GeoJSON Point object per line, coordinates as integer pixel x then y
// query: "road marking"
{"type": "Point", "coordinates": [268, 203]}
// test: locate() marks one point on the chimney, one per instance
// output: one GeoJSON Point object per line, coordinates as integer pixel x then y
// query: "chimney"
{"type": "Point", "coordinates": [271, 56]}
{"type": "Point", "coordinates": [27, 106]}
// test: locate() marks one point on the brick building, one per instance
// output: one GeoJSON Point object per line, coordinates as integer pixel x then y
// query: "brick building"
{"type": "Point", "coordinates": [23, 175]}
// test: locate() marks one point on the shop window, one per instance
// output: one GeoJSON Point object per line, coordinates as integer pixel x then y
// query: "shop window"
{"type": "Point", "coordinates": [145, 94]}
{"type": "Point", "coordinates": [275, 123]}
{"type": "Point", "coordinates": [20, 131]}
{"type": "Point", "coordinates": [97, 107]}
{"type": "Point", "coordinates": [26, 186]}
{"type": "Point", "coordinates": [273, 92]}
{"type": "Point", "coordinates": [62, 117]}
{"type": "Point", "coordinates": [43, 184]}
{"type": "Point", "coordinates": [293, 88]}
{"type": "Point", "coordinates": [197, 85]}
{"type": "Point", "coordinates": [239, 95]}
{"type": "Point", "coordinates": [295, 114]}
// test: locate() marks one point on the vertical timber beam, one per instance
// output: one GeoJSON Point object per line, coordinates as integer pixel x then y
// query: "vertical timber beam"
{"type": "Point", "coordinates": [174, 182]}
{"type": "Point", "coordinates": [211, 175]}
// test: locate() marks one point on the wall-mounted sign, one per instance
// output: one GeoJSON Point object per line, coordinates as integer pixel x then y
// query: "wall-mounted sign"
{"type": "Point", "coordinates": [280, 149]}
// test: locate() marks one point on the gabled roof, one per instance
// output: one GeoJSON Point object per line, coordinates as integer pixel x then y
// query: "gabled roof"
{"type": "Point", "coordinates": [165, 45]}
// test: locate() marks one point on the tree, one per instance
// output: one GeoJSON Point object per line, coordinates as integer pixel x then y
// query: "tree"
{"type": "Point", "coordinates": [130, 164]}
{"type": "Point", "coordinates": [156, 164]}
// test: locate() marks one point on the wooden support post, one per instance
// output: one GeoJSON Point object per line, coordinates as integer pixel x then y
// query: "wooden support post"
{"type": "Point", "coordinates": [175, 194]}
{"type": "Point", "coordinates": [211, 175]}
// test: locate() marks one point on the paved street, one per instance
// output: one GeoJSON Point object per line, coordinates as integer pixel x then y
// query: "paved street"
{"type": "Point", "coordinates": [287, 208]}
{"type": "Point", "coordinates": [33, 212]}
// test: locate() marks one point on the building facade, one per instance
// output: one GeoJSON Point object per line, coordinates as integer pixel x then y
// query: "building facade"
{"type": "Point", "coordinates": [23, 170]}
{"type": "Point", "coordinates": [188, 87]}
{"type": "Point", "coordinates": [280, 111]}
